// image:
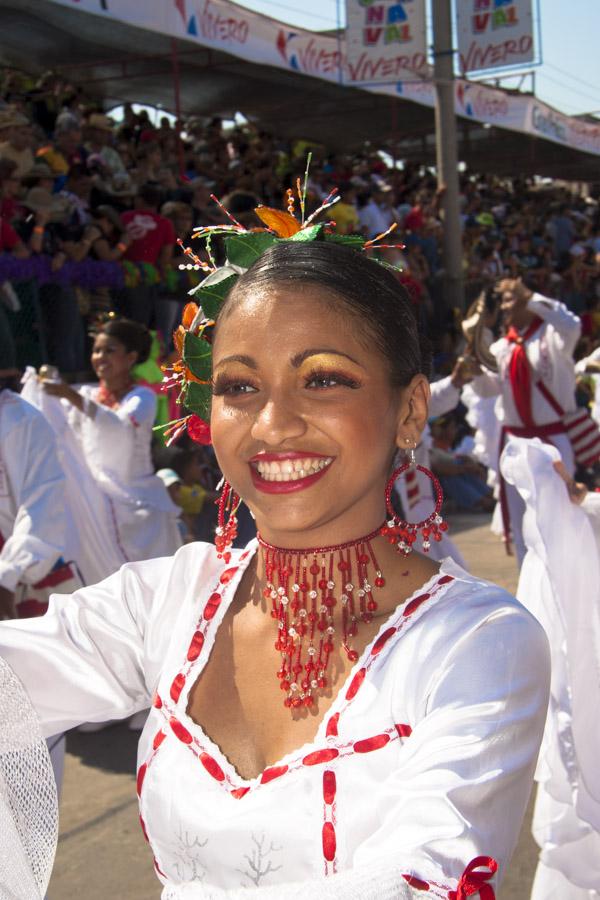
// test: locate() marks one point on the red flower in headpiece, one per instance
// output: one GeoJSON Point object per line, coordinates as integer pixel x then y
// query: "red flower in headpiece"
{"type": "Point", "coordinates": [198, 430]}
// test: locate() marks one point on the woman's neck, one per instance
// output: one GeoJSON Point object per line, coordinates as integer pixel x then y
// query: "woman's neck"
{"type": "Point", "coordinates": [118, 386]}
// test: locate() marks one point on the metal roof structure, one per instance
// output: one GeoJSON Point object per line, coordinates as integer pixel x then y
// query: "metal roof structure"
{"type": "Point", "coordinates": [117, 62]}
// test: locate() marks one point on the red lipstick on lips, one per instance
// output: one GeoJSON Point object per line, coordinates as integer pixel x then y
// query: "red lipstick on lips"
{"type": "Point", "coordinates": [284, 487]}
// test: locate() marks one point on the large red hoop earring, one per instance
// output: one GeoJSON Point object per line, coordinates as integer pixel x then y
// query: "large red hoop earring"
{"type": "Point", "coordinates": [226, 530]}
{"type": "Point", "coordinates": [404, 534]}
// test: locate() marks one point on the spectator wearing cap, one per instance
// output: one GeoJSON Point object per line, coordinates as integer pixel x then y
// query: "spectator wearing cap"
{"type": "Point", "coordinates": [152, 239]}
{"type": "Point", "coordinates": [38, 176]}
{"type": "Point", "coordinates": [65, 151]}
{"type": "Point", "coordinates": [18, 142]}
{"type": "Point", "coordinates": [99, 130]}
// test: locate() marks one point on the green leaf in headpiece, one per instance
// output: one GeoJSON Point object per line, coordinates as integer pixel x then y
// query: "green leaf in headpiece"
{"type": "Point", "coordinates": [198, 398]}
{"type": "Point", "coordinates": [306, 234]}
{"type": "Point", "coordinates": [213, 291]}
{"type": "Point", "coordinates": [197, 356]}
{"type": "Point", "coordinates": [355, 241]}
{"type": "Point", "coordinates": [244, 249]}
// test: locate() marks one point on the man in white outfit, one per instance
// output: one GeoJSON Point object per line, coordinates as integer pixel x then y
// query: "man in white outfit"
{"type": "Point", "coordinates": [33, 519]}
{"type": "Point", "coordinates": [535, 379]}
{"type": "Point", "coordinates": [415, 489]}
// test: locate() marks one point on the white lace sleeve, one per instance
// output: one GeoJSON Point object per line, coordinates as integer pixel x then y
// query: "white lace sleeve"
{"type": "Point", "coordinates": [28, 800]}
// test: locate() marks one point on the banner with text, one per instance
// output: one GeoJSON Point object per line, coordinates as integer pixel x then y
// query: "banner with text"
{"type": "Point", "coordinates": [255, 38]}
{"type": "Point", "coordinates": [383, 38]}
{"type": "Point", "coordinates": [494, 35]}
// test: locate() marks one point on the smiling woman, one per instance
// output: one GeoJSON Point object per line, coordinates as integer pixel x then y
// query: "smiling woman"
{"type": "Point", "coordinates": [331, 717]}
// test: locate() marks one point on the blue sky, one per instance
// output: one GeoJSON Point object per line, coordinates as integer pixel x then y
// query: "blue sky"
{"type": "Point", "coordinates": [569, 77]}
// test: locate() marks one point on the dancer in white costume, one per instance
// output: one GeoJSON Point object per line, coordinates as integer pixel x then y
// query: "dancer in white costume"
{"type": "Point", "coordinates": [36, 536]}
{"type": "Point", "coordinates": [560, 584]}
{"type": "Point", "coordinates": [399, 763]}
{"type": "Point", "coordinates": [105, 431]}
{"type": "Point", "coordinates": [535, 361]}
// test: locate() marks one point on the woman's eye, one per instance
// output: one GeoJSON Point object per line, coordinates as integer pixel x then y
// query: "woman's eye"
{"type": "Point", "coordinates": [233, 388]}
{"type": "Point", "coordinates": [321, 380]}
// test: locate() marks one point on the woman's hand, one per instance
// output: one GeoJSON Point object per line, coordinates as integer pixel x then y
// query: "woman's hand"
{"type": "Point", "coordinates": [63, 391]}
{"type": "Point", "coordinates": [577, 492]}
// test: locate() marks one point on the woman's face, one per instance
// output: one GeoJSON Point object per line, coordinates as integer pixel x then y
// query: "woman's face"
{"type": "Point", "coordinates": [304, 419]}
{"type": "Point", "coordinates": [111, 360]}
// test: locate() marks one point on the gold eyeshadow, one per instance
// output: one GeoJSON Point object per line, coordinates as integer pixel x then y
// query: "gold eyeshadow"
{"type": "Point", "coordinates": [330, 362]}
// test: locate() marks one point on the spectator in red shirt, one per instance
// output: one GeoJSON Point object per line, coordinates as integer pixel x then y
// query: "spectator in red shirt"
{"type": "Point", "coordinates": [152, 238]}
{"type": "Point", "coordinates": [10, 186]}
{"type": "Point", "coordinates": [10, 242]}
{"type": "Point", "coordinates": [152, 235]}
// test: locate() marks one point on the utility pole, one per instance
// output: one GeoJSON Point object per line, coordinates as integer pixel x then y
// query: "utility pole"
{"type": "Point", "coordinates": [446, 151]}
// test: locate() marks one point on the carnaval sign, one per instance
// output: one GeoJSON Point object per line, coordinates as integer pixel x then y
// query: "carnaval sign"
{"type": "Point", "coordinates": [494, 34]}
{"type": "Point", "coordinates": [254, 38]}
{"type": "Point", "coordinates": [385, 40]}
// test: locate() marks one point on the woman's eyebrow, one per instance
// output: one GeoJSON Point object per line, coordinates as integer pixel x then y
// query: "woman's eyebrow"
{"type": "Point", "coordinates": [240, 358]}
{"type": "Point", "coordinates": [299, 358]}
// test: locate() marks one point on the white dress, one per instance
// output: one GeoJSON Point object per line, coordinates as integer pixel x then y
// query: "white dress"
{"type": "Point", "coordinates": [560, 584]}
{"type": "Point", "coordinates": [123, 512]}
{"type": "Point", "coordinates": [423, 763]}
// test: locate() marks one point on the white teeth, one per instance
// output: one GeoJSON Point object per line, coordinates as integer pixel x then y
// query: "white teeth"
{"type": "Point", "coordinates": [291, 470]}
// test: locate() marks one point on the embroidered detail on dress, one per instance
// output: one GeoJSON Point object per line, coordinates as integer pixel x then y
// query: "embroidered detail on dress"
{"type": "Point", "coordinates": [188, 863]}
{"type": "Point", "coordinates": [329, 839]}
{"type": "Point", "coordinates": [259, 865]}
{"type": "Point", "coordinates": [318, 756]}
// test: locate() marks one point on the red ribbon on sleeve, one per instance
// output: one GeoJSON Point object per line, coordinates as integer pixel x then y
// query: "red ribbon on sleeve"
{"type": "Point", "coordinates": [472, 882]}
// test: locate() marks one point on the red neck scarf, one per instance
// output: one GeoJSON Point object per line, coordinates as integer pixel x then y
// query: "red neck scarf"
{"type": "Point", "coordinates": [519, 372]}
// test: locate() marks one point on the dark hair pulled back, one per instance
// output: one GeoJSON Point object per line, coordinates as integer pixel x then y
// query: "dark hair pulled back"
{"type": "Point", "coordinates": [368, 290]}
{"type": "Point", "coordinates": [132, 335]}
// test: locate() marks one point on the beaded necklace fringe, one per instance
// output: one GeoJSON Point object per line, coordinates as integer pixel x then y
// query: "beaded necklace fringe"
{"type": "Point", "coordinates": [302, 588]}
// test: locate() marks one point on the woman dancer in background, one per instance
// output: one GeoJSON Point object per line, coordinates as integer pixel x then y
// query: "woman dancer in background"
{"type": "Point", "coordinates": [111, 426]}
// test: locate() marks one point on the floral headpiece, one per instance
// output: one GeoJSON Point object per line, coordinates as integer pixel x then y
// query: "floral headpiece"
{"type": "Point", "coordinates": [191, 373]}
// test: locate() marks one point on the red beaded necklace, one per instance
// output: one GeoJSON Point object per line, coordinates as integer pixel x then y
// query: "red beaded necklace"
{"type": "Point", "coordinates": [301, 585]}
{"type": "Point", "coordinates": [109, 398]}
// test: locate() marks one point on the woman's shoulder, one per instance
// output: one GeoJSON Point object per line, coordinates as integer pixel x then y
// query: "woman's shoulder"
{"type": "Point", "coordinates": [195, 565]}
{"type": "Point", "coordinates": [467, 614]}
{"type": "Point", "coordinates": [470, 599]}
{"type": "Point", "coordinates": [142, 391]}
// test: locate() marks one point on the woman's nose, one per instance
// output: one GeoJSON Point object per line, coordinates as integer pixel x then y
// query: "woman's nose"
{"type": "Point", "coordinates": [277, 421]}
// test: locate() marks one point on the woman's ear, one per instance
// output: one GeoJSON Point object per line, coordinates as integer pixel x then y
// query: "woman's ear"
{"type": "Point", "coordinates": [413, 412]}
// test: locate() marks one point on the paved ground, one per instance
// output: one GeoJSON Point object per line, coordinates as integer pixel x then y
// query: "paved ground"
{"type": "Point", "coordinates": [101, 852]}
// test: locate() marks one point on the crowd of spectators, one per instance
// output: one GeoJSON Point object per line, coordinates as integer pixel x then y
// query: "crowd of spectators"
{"type": "Point", "coordinates": [76, 185]}
{"type": "Point", "coordinates": [79, 187]}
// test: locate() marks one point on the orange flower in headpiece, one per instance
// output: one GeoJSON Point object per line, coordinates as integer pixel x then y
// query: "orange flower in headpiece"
{"type": "Point", "coordinates": [189, 313]}
{"type": "Point", "coordinates": [282, 223]}
{"type": "Point", "coordinates": [178, 337]}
